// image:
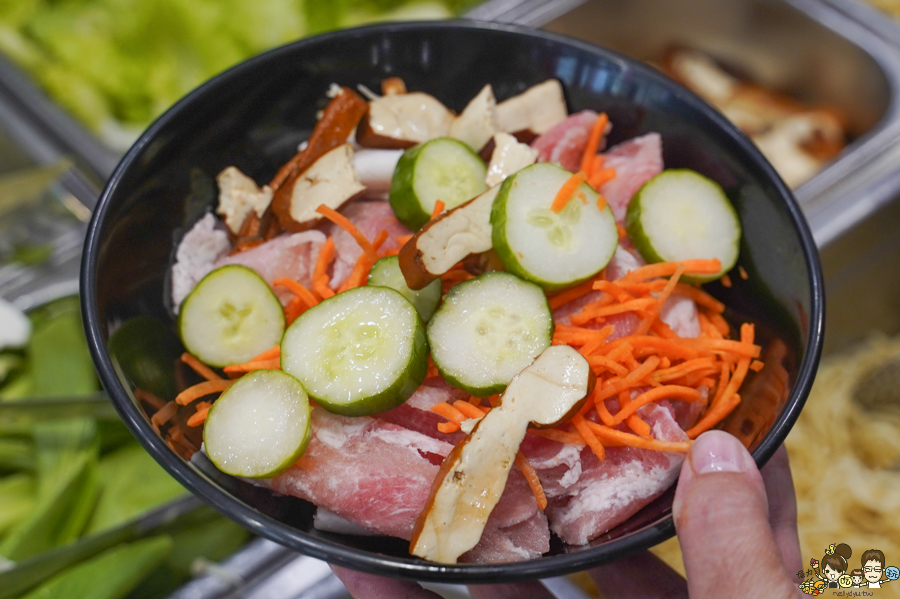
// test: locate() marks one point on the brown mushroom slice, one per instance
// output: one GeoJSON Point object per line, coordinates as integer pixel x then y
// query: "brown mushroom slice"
{"type": "Point", "coordinates": [331, 180]}
{"type": "Point", "coordinates": [509, 157]}
{"type": "Point", "coordinates": [472, 478]}
{"type": "Point", "coordinates": [444, 241]}
{"type": "Point", "coordinates": [537, 109]}
{"type": "Point", "coordinates": [239, 195]}
{"type": "Point", "coordinates": [477, 123]}
{"type": "Point", "coordinates": [403, 120]}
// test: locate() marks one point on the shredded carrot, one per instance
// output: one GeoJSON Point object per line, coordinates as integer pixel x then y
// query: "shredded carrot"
{"type": "Point", "coordinates": [724, 345]}
{"type": "Point", "coordinates": [589, 437]}
{"type": "Point", "coordinates": [572, 294]}
{"type": "Point", "coordinates": [601, 202]}
{"type": "Point", "coordinates": [601, 177]}
{"type": "Point", "coordinates": [656, 394]}
{"type": "Point", "coordinates": [344, 223]}
{"type": "Point", "coordinates": [448, 427]}
{"type": "Point", "coordinates": [697, 364]}
{"type": "Point", "coordinates": [716, 414]}
{"type": "Point", "coordinates": [449, 412]}
{"type": "Point", "coordinates": [566, 192]}
{"type": "Point", "coordinates": [320, 271]}
{"type": "Point", "coordinates": [743, 272]}
{"type": "Point", "coordinates": [614, 290]}
{"type": "Point", "coordinates": [593, 144]}
{"type": "Point", "coordinates": [468, 410]}
{"type": "Point", "coordinates": [634, 422]}
{"type": "Point", "coordinates": [199, 417]}
{"type": "Point", "coordinates": [271, 364]}
{"type": "Point", "coordinates": [554, 434]}
{"type": "Point", "coordinates": [269, 354]}
{"type": "Point", "coordinates": [533, 481]}
{"type": "Point", "coordinates": [297, 289]}
{"type": "Point", "coordinates": [199, 390]}
{"type": "Point", "coordinates": [610, 434]}
{"type": "Point", "coordinates": [438, 208]}
{"type": "Point", "coordinates": [294, 308]}
{"type": "Point", "coordinates": [726, 280]}
{"type": "Point", "coordinates": [756, 365]}
{"type": "Point", "coordinates": [597, 362]}
{"type": "Point", "coordinates": [655, 310]}
{"type": "Point", "coordinates": [667, 269]}
{"type": "Point", "coordinates": [700, 297]}
{"type": "Point", "coordinates": [199, 367]}
{"type": "Point", "coordinates": [164, 414]}
{"type": "Point", "coordinates": [592, 312]}
{"type": "Point", "coordinates": [622, 232]}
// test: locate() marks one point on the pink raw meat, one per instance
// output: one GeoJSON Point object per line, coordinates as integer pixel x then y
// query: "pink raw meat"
{"type": "Point", "coordinates": [565, 142]}
{"type": "Point", "coordinates": [636, 161]}
{"type": "Point", "coordinates": [291, 256]}
{"type": "Point", "coordinates": [589, 499]}
{"type": "Point", "coordinates": [370, 217]}
{"type": "Point", "coordinates": [379, 475]}
{"type": "Point", "coordinates": [197, 252]}
{"type": "Point", "coordinates": [416, 415]}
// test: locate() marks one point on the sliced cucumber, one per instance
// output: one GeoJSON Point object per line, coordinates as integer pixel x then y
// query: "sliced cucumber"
{"type": "Point", "coordinates": [386, 273]}
{"type": "Point", "coordinates": [259, 426]}
{"type": "Point", "coordinates": [358, 353]}
{"type": "Point", "coordinates": [230, 316]}
{"type": "Point", "coordinates": [443, 169]}
{"type": "Point", "coordinates": [553, 249]}
{"type": "Point", "coordinates": [487, 330]}
{"type": "Point", "coordinates": [681, 215]}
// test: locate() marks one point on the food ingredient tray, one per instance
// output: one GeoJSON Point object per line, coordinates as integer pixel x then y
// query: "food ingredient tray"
{"type": "Point", "coordinates": [836, 53]}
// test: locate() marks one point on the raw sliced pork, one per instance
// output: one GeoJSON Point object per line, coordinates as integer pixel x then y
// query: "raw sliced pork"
{"type": "Point", "coordinates": [635, 161]}
{"type": "Point", "coordinates": [379, 475]}
{"type": "Point", "coordinates": [565, 142]}
{"type": "Point", "coordinates": [198, 250]}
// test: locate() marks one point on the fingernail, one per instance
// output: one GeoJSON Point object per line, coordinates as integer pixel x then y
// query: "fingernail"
{"type": "Point", "coordinates": [717, 451]}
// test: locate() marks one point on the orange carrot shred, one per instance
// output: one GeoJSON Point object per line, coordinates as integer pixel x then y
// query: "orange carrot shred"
{"type": "Point", "coordinates": [533, 481]}
{"type": "Point", "coordinates": [589, 437]}
{"type": "Point", "coordinates": [467, 409]}
{"type": "Point", "coordinates": [297, 289]}
{"type": "Point", "coordinates": [601, 177]}
{"type": "Point", "coordinates": [164, 414]}
{"type": "Point", "coordinates": [572, 294]}
{"type": "Point", "coordinates": [756, 365]}
{"type": "Point", "coordinates": [438, 208]}
{"type": "Point", "coordinates": [269, 354]}
{"type": "Point", "coordinates": [271, 364]}
{"type": "Point", "coordinates": [199, 417]}
{"type": "Point", "coordinates": [448, 427]}
{"type": "Point", "coordinates": [610, 434]}
{"type": "Point", "coordinates": [601, 202]}
{"type": "Point", "coordinates": [199, 390]}
{"type": "Point", "coordinates": [554, 434]}
{"type": "Point", "coordinates": [593, 144]}
{"type": "Point", "coordinates": [449, 412]}
{"type": "Point", "coordinates": [294, 308]}
{"type": "Point", "coordinates": [622, 232]}
{"type": "Point", "coordinates": [656, 394]}
{"type": "Point", "coordinates": [566, 191]}
{"type": "Point", "coordinates": [743, 272]}
{"type": "Point", "coordinates": [344, 223]}
{"type": "Point", "coordinates": [199, 367]}
{"type": "Point", "coordinates": [726, 280]}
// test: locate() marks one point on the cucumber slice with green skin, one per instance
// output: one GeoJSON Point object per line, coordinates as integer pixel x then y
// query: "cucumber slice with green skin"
{"type": "Point", "coordinates": [358, 353]}
{"type": "Point", "coordinates": [681, 215]}
{"type": "Point", "coordinates": [487, 330]}
{"type": "Point", "coordinates": [259, 426]}
{"type": "Point", "coordinates": [553, 249]}
{"type": "Point", "coordinates": [386, 273]}
{"type": "Point", "coordinates": [231, 316]}
{"type": "Point", "coordinates": [443, 169]}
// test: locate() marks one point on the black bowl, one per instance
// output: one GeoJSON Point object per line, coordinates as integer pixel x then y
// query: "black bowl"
{"type": "Point", "coordinates": [255, 114]}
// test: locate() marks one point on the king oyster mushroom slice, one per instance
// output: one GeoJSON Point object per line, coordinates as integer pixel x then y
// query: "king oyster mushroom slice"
{"type": "Point", "coordinates": [403, 120]}
{"type": "Point", "coordinates": [375, 167]}
{"type": "Point", "coordinates": [537, 109]}
{"type": "Point", "coordinates": [477, 123]}
{"type": "Point", "coordinates": [238, 196]}
{"type": "Point", "coordinates": [330, 180]}
{"type": "Point", "coordinates": [509, 157]}
{"type": "Point", "coordinates": [448, 239]}
{"type": "Point", "coordinates": [472, 478]}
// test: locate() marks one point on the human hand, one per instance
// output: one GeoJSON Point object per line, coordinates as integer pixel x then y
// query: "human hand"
{"type": "Point", "coordinates": [737, 527]}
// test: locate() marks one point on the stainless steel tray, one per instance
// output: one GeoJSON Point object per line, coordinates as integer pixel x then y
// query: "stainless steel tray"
{"type": "Point", "coordinates": [835, 52]}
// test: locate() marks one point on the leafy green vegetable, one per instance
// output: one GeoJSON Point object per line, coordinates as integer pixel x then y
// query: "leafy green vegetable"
{"type": "Point", "coordinates": [17, 496]}
{"type": "Point", "coordinates": [110, 575]}
{"type": "Point", "coordinates": [132, 483]}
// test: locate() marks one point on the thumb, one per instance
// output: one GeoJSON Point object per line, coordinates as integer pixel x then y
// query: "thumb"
{"type": "Point", "coordinates": [721, 516]}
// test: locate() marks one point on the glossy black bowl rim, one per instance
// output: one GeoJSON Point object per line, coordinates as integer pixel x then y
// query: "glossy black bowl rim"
{"type": "Point", "coordinates": [412, 568]}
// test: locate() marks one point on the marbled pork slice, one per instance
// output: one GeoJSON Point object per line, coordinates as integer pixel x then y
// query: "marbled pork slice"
{"type": "Point", "coordinates": [195, 256]}
{"type": "Point", "coordinates": [371, 218]}
{"type": "Point", "coordinates": [607, 493]}
{"type": "Point", "coordinates": [565, 142]}
{"type": "Point", "coordinates": [292, 256]}
{"type": "Point", "coordinates": [635, 161]}
{"type": "Point", "coordinates": [379, 476]}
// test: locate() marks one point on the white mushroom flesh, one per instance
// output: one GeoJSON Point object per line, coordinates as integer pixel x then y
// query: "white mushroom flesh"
{"type": "Point", "coordinates": [509, 157]}
{"type": "Point", "coordinates": [238, 196]}
{"type": "Point", "coordinates": [478, 121]}
{"type": "Point", "coordinates": [331, 180]}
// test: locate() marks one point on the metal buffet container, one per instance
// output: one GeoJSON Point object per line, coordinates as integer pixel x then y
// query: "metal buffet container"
{"type": "Point", "coordinates": [835, 52]}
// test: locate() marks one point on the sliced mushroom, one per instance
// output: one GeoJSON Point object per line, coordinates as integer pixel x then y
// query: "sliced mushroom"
{"type": "Point", "coordinates": [509, 157]}
{"type": "Point", "coordinates": [331, 180]}
{"type": "Point", "coordinates": [537, 109]}
{"type": "Point", "coordinates": [477, 123]}
{"type": "Point", "coordinates": [239, 195]}
{"type": "Point", "coordinates": [472, 478]}
{"type": "Point", "coordinates": [392, 86]}
{"type": "Point", "coordinates": [446, 240]}
{"type": "Point", "coordinates": [403, 120]}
